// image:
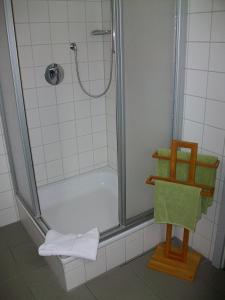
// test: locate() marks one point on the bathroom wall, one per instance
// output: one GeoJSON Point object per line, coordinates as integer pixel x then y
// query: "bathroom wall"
{"type": "Point", "coordinates": [204, 111]}
{"type": "Point", "coordinates": [67, 128]}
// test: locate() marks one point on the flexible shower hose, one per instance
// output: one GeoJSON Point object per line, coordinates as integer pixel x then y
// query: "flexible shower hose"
{"type": "Point", "coordinates": [73, 46]}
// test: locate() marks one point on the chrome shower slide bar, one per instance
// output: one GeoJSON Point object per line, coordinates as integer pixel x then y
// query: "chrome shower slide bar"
{"type": "Point", "coordinates": [101, 32]}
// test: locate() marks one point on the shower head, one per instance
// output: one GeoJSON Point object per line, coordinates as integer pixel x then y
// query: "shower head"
{"type": "Point", "coordinates": [101, 32]}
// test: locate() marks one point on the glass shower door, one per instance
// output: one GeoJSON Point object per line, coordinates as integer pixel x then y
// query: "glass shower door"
{"type": "Point", "coordinates": [149, 33]}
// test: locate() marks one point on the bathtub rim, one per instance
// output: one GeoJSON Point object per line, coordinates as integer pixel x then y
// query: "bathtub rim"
{"type": "Point", "coordinates": [106, 238]}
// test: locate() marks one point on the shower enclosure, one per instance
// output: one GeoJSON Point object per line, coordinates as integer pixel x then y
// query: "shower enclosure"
{"type": "Point", "coordinates": [80, 142]}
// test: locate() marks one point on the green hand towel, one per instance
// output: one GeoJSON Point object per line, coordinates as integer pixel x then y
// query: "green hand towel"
{"type": "Point", "coordinates": [206, 176]}
{"type": "Point", "coordinates": [177, 204]}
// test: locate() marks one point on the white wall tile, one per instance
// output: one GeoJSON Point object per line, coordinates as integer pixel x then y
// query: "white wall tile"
{"type": "Point", "coordinates": [5, 183]}
{"type": "Point", "coordinates": [20, 11]}
{"type": "Point", "coordinates": [61, 53]}
{"type": "Point", "coordinates": [217, 58]}
{"type": "Point", "coordinates": [98, 123]}
{"type": "Point", "coordinates": [59, 33]}
{"type": "Point", "coordinates": [3, 164]}
{"type": "Point", "coordinates": [40, 172]}
{"type": "Point", "coordinates": [84, 126]}
{"type": "Point", "coordinates": [33, 118]}
{"type": "Point", "coordinates": [96, 86]}
{"type": "Point", "coordinates": [40, 33]}
{"type": "Point", "coordinates": [199, 6]}
{"type": "Point", "coordinates": [205, 228]}
{"type": "Point", "coordinates": [95, 51]}
{"type": "Point", "coordinates": [42, 55]}
{"type": "Point", "coordinates": [28, 80]}
{"type": "Point", "coordinates": [85, 143]}
{"type": "Point", "coordinates": [52, 151]}
{"type": "Point", "coordinates": [196, 83]}
{"type": "Point", "coordinates": [115, 254]}
{"type": "Point", "coordinates": [30, 98]}
{"type": "Point", "coordinates": [69, 147]}
{"type": "Point", "coordinates": [86, 159]}
{"type": "Point", "coordinates": [192, 132]}
{"type": "Point", "coordinates": [66, 112]}
{"type": "Point", "coordinates": [70, 164]}
{"type": "Point", "coordinates": [197, 55]}
{"type": "Point", "coordinates": [82, 109]}
{"type": "Point", "coordinates": [93, 11]}
{"type": "Point", "coordinates": [67, 73]}
{"type": "Point", "coordinates": [98, 106]}
{"type": "Point", "coordinates": [213, 139]}
{"type": "Point", "coordinates": [152, 236]}
{"type": "Point", "coordinates": [77, 32]}
{"type": "Point", "coordinates": [218, 24]}
{"type": "Point", "coordinates": [99, 139]}
{"type": "Point", "coordinates": [7, 200]}
{"type": "Point", "coordinates": [100, 155]}
{"type": "Point", "coordinates": [83, 71]}
{"type": "Point", "coordinates": [7, 216]}
{"type": "Point", "coordinates": [134, 245]}
{"type": "Point", "coordinates": [50, 134]}
{"type": "Point", "coordinates": [38, 11]}
{"type": "Point", "coordinates": [75, 277]}
{"type": "Point", "coordinates": [199, 27]}
{"type": "Point", "coordinates": [54, 168]}
{"type": "Point", "coordinates": [2, 145]}
{"type": "Point", "coordinates": [215, 112]}
{"type": "Point", "coordinates": [46, 96]}
{"type": "Point", "coordinates": [201, 244]}
{"type": "Point", "coordinates": [58, 11]}
{"type": "Point", "coordinates": [216, 86]}
{"type": "Point", "coordinates": [64, 93]}
{"type": "Point", "coordinates": [25, 56]}
{"type": "Point", "coordinates": [194, 108]}
{"type": "Point", "coordinates": [38, 155]}
{"type": "Point", "coordinates": [76, 10]}
{"type": "Point", "coordinates": [40, 76]}
{"type": "Point", "coordinates": [23, 35]}
{"type": "Point", "coordinates": [48, 115]}
{"type": "Point", "coordinates": [35, 137]}
{"type": "Point", "coordinates": [95, 268]}
{"type": "Point", "coordinates": [218, 5]}
{"type": "Point", "coordinates": [96, 70]}
{"type": "Point", "coordinates": [67, 130]}
{"type": "Point", "coordinates": [78, 93]}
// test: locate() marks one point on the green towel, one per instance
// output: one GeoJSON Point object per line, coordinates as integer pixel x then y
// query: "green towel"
{"type": "Point", "coordinates": [180, 204]}
{"type": "Point", "coordinates": [206, 176]}
{"type": "Point", "coordinates": [177, 204]}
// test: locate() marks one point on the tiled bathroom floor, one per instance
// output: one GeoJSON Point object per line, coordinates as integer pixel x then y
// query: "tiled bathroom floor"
{"type": "Point", "coordinates": [25, 276]}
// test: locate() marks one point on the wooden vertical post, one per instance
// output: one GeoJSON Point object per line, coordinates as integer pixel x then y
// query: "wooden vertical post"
{"type": "Point", "coordinates": [191, 180]}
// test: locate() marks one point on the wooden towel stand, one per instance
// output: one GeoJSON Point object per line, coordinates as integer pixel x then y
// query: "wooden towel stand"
{"type": "Point", "coordinates": [179, 262]}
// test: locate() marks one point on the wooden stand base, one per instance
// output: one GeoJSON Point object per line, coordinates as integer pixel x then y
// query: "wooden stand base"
{"type": "Point", "coordinates": [184, 270]}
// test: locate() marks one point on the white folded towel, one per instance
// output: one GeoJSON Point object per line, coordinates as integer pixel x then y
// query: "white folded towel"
{"type": "Point", "coordinates": [79, 245]}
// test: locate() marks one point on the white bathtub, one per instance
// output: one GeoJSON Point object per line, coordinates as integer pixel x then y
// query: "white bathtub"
{"type": "Point", "coordinates": [77, 204]}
